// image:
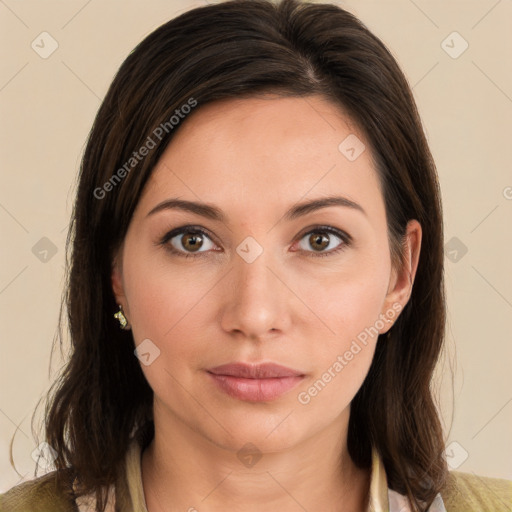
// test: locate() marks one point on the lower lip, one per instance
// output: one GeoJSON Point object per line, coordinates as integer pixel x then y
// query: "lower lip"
{"type": "Point", "coordinates": [256, 390]}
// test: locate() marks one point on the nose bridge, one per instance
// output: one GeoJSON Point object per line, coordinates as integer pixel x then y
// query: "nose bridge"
{"type": "Point", "coordinates": [254, 280]}
{"type": "Point", "coordinates": [256, 305]}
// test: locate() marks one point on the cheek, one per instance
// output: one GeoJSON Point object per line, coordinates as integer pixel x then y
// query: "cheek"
{"type": "Point", "coordinates": [349, 300]}
{"type": "Point", "coordinates": [332, 390]}
{"type": "Point", "coordinates": [343, 357]}
{"type": "Point", "coordinates": [165, 304]}
{"type": "Point", "coordinates": [348, 307]}
{"type": "Point", "coordinates": [166, 308]}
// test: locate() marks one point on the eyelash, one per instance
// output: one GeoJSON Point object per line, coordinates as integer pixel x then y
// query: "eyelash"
{"type": "Point", "coordinates": [196, 230]}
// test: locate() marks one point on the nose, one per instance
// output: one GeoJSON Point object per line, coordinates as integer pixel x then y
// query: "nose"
{"type": "Point", "coordinates": [257, 300]}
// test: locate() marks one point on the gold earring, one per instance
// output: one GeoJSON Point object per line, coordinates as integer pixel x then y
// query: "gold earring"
{"type": "Point", "coordinates": [122, 319]}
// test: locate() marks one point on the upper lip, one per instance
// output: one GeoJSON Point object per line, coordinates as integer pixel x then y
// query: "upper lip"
{"type": "Point", "coordinates": [255, 371]}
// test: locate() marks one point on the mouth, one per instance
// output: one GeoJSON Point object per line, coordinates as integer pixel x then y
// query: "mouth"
{"type": "Point", "coordinates": [255, 371]}
{"type": "Point", "coordinates": [255, 383]}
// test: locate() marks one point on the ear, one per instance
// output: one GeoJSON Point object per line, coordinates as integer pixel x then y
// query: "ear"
{"type": "Point", "coordinates": [402, 279]}
{"type": "Point", "coordinates": [116, 277]}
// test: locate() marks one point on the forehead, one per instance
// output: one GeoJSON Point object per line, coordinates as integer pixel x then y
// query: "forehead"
{"type": "Point", "coordinates": [265, 152]}
{"type": "Point", "coordinates": [268, 125]}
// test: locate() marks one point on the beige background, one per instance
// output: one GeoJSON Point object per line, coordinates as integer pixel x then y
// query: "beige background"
{"type": "Point", "coordinates": [48, 105]}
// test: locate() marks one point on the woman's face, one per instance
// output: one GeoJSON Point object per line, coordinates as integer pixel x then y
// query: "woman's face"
{"type": "Point", "coordinates": [267, 279]}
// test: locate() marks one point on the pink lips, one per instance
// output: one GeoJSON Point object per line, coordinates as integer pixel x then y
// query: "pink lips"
{"type": "Point", "coordinates": [260, 382]}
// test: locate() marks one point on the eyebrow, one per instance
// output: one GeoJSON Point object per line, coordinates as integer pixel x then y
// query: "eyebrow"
{"type": "Point", "coordinates": [214, 213]}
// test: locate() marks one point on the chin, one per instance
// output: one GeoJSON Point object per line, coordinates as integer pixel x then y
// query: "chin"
{"type": "Point", "coordinates": [266, 434]}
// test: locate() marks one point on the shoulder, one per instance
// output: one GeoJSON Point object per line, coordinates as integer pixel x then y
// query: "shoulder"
{"type": "Point", "coordinates": [38, 495]}
{"type": "Point", "coordinates": [467, 492]}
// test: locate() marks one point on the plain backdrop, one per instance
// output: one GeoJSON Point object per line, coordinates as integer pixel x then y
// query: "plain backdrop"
{"type": "Point", "coordinates": [58, 59]}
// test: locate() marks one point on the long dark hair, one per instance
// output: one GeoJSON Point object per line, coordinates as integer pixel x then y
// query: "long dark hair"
{"type": "Point", "coordinates": [234, 49]}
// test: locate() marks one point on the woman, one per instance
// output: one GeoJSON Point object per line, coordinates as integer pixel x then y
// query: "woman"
{"type": "Point", "coordinates": [255, 293]}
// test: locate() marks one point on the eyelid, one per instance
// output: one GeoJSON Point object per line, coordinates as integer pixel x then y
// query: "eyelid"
{"type": "Point", "coordinates": [181, 230]}
{"type": "Point", "coordinates": [327, 228]}
{"type": "Point", "coordinates": [342, 235]}
{"type": "Point", "coordinates": [191, 228]}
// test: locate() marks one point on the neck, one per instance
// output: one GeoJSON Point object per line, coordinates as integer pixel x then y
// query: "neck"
{"type": "Point", "coordinates": [183, 470]}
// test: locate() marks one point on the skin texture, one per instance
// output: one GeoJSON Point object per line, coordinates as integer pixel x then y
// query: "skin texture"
{"type": "Point", "coordinates": [254, 159]}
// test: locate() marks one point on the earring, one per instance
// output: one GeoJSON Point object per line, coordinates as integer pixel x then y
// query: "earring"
{"type": "Point", "coordinates": [122, 319]}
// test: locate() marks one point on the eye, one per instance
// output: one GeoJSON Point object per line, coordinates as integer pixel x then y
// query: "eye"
{"type": "Point", "coordinates": [193, 241]}
{"type": "Point", "coordinates": [187, 241]}
{"type": "Point", "coordinates": [325, 237]}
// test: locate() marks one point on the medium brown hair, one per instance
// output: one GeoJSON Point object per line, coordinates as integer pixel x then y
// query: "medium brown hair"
{"type": "Point", "coordinates": [235, 49]}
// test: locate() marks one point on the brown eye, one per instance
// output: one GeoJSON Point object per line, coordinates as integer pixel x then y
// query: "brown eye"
{"type": "Point", "coordinates": [324, 241]}
{"type": "Point", "coordinates": [318, 242]}
{"type": "Point", "coordinates": [192, 241]}
{"type": "Point", "coordinates": [188, 242]}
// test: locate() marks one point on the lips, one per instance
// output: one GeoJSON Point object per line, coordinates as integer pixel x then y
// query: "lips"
{"type": "Point", "coordinates": [255, 383]}
{"type": "Point", "coordinates": [255, 371]}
